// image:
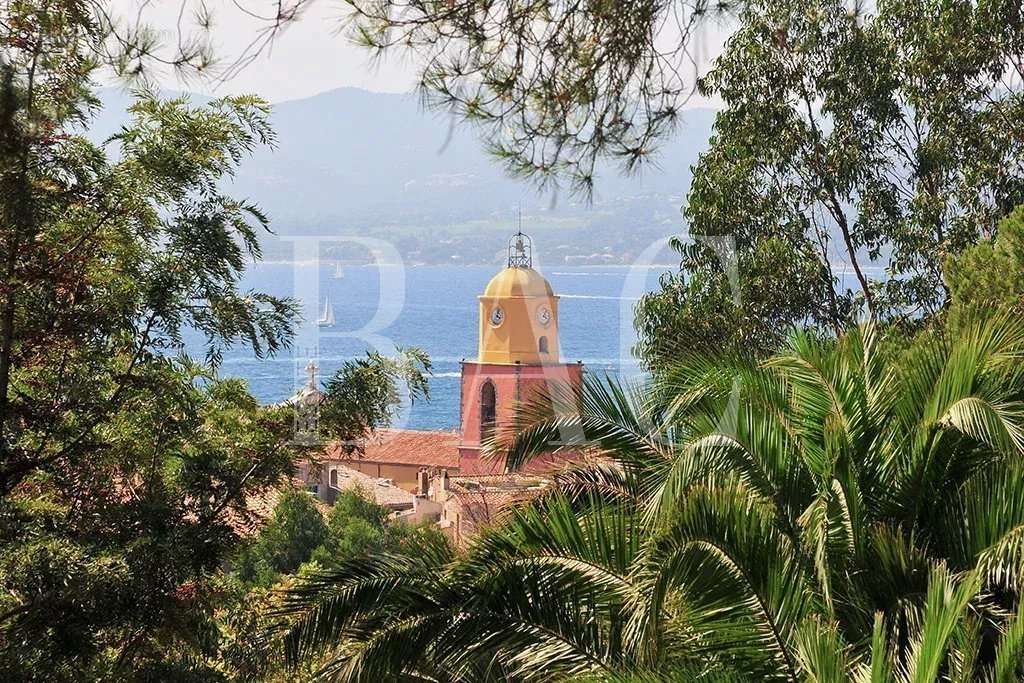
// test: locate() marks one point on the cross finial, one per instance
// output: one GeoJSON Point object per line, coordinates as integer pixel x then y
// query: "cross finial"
{"type": "Point", "coordinates": [311, 370]}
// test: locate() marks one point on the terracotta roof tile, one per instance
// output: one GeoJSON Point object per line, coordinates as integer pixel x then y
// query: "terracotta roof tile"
{"type": "Point", "coordinates": [439, 449]}
{"type": "Point", "coordinates": [545, 464]}
{"type": "Point", "coordinates": [406, 447]}
{"type": "Point", "coordinates": [485, 499]}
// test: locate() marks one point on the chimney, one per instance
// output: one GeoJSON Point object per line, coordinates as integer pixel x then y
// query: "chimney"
{"type": "Point", "coordinates": [422, 482]}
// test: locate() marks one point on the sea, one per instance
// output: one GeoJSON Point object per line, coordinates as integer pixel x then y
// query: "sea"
{"type": "Point", "coordinates": [384, 307]}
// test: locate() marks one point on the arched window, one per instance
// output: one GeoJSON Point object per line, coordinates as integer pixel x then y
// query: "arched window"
{"type": "Point", "coordinates": [334, 479]}
{"type": "Point", "coordinates": [542, 344]}
{"type": "Point", "coordinates": [488, 409]}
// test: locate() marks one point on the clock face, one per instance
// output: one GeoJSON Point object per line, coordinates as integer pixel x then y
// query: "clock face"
{"type": "Point", "coordinates": [544, 316]}
{"type": "Point", "coordinates": [497, 316]}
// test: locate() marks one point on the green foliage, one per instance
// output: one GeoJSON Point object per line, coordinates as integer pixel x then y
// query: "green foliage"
{"type": "Point", "coordinates": [850, 142]}
{"type": "Point", "coordinates": [288, 540]}
{"type": "Point", "coordinates": [109, 253]}
{"type": "Point", "coordinates": [112, 563]}
{"type": "Point", "coordinates": [767, 288]}
{"type": "Point", "coordinates": [991, 273]}
{"type": "Point", "coordinates": [356, 526]}
{"type": "Point", "coordinates": [124, 466]}
{"type": "Point", "coordinates": [359, 527]}
{"type": "Point", "coordinates": [845, 509]}
{"type": "Point", "coordinates": [364, 394]}
{"type": "Point", "coordinates": [297, 533]}
{"type": "Point", "coordinates": [297, 545]}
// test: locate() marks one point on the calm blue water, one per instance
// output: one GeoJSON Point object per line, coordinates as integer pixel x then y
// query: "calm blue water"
{"type": "Point", "coordinates": [434, 308]}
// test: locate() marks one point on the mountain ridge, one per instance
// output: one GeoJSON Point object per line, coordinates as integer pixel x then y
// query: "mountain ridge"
{"type": "Point", "coordinates": [354, 162]}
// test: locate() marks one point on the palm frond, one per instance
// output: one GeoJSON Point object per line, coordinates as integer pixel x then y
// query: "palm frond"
{"type": "Point", "coordinates": [945, 605]}
{"type": "Point", "coordinates": [878, 667]}
{"type": "Point", "coordinates": [742, 580]}
{"type": "Point", "coordinates": [821, 653]}
{"type": "Point", "coordinates": [600, 415]}
{"type": "Point", "coordinates": [319, 610]}
{"type": "Point", "coordinates": [1009, 661]}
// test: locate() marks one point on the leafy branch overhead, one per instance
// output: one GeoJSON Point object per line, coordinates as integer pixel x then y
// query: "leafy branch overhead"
{"type": "Point", "coordinates": [555, 88]}
{"type": "Point", "coordinates": [126, 255]}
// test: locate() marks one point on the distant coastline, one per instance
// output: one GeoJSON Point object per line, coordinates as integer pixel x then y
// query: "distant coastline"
{"type": "Point", "coordinates": [328, 261]}
{"type": "Point", "coordinates": [457, 263]}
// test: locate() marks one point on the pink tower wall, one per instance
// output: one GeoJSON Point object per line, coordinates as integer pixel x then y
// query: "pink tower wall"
{"type": "Point", "coordinates": [513, 384]}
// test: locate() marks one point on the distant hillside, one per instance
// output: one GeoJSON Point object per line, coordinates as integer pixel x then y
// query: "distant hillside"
{"type": "Point", "coordinates": [350, 161]}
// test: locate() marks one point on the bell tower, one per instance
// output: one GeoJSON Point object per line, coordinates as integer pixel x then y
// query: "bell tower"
{"type": "Point", "coordinates": [518, 312]}
{"type": "Point", "coordinates": [518, 352]}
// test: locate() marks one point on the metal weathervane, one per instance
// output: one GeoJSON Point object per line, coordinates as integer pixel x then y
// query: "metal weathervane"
{"type": "Point", "coordinates": [520, 247]}
{"type": "Point", "coordinates": [520, 251]}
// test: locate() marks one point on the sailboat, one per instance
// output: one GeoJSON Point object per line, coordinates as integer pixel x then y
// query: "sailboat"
{"type": "Point", "coordinates": [327, 317]}
{"type": "Point", "coordinates": [339, 272]}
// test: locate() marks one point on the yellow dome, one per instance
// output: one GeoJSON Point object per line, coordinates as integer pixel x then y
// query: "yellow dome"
{"type": "Point", "coordinates": [518, 282]}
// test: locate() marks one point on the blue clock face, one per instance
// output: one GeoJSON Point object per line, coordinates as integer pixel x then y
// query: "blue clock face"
{"type": "Point", "coordinates": [497, 316]}
{"type": "Point", "coordinates": [544, 316]}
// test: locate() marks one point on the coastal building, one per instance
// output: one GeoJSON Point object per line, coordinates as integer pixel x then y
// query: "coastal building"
{"type": "Point", "coordinates": [467, 504]}
{"type": "Point", "coordinates": [518, 354]}
{"type": "Point", "coordinates": [305, 404]}
{"type": "Point", "coordinates": [518, 360]}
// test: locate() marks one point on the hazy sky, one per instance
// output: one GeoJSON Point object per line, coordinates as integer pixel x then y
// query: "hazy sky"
{"type": "Point", "coordinates": [310, 57]}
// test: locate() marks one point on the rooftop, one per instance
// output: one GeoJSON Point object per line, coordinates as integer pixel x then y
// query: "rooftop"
{"type": "Point", "coordinates": [381, 491]}
{"type": "Point", "coordinates": [405, 447]}
{"type": "Point", "coordinates": [518, 282]}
